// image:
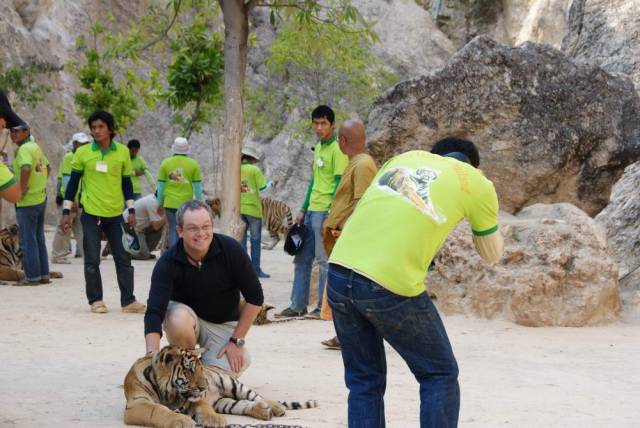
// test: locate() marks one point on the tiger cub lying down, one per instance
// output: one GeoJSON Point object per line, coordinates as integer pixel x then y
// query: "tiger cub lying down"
{"type": "Point", "coordinates": [174, 389]}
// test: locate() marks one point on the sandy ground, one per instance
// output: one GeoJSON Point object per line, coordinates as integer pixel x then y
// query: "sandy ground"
{"type": "Point", "coordinates": [62, 366]}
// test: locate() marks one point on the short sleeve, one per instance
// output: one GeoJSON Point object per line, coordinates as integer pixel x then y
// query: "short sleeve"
{"type": "Point", "coordinates": [340, 161]}
{"type": "Point", "coordinates": [362, 177]}
{"type": "Point", "coordinates": [483, 212]}
{"type": "Point", "coordinates": [77, 163]}
{"type": "Point", "coordinates": [162, 172]}
{"type": "Point", "coordinates": [196, 172]}
{"type": "Point", "coordinates": [6, 177]}
{"type": "Point", "coordinates": [24, 158]}
{"type": "Point", "coordinates": [152, 209]}
{"type": "Point", "coordinates": [126, 167]}
{"type": "Point", "coordinates": [143, 164]}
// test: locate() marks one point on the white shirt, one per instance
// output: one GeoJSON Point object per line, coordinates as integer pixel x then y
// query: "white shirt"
{"type": "Point", "coordinates": [146, 212]}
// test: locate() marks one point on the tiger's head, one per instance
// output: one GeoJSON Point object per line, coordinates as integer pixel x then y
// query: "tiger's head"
{"type": "Point", "coordinates": [216, 206]}
{"type": "Point", "coordinates": [9, 240]}
{"type": "Point", "coordinates": [180, 370]}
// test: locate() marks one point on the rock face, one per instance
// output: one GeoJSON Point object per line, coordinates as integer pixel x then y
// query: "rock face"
{"type": "Point", "coordinates": [548, 129]}
{"type": "Point", "coordinates": [556, 271]}
{"type": "Point", "coordinates": [621, 220]}
{"type": "Point", "coordinates": [605, 32]}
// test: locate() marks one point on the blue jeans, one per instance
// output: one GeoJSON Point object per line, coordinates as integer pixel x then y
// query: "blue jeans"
{"type": "Point", "coordinates": [31, 236]}
{"type": "Point", "coordinates": [365, 313]}
{"type": "Point", "coordinates": [254, 227]}
{"type": "Point", "coordinates": [92, 229]}
{"type": "Point", "coordinates": [303, 261]}
{"type": "Point", "coordinates": [172, 233]}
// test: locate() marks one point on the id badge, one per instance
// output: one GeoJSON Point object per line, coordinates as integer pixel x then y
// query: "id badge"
{"type": "Point", "coordinates": [102, 167]}
{"type": "Point", "coordinates": [320, 163]}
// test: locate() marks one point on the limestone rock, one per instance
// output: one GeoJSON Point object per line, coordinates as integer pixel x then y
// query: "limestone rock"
{"type": "Point", "coordinates": [548, 129]}
{"type": "Point", "coordinates": [605, 32]}
{"type": "Point", "coordinates": [556, 271]}
{"type": "Point", "coordinates": [621, 219]}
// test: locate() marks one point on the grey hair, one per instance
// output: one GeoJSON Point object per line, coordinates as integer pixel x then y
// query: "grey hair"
{"type": "Point", "coordinates": [192, 205]}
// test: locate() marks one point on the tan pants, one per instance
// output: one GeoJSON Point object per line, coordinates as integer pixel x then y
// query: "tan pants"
{"type": "Point", "coordinates": [61, 240]}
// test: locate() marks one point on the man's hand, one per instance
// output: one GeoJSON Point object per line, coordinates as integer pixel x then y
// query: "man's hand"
{"type": "Point", "coordinates": [300, 217]}
{"type": "Point", "coordinates": [65, 224]}
{"type": "Point", "coordinates": [160, 211]}
{"type": "Point", "coordinates": [132, 220]}
{"type": "Point", "coordinates": [234, 354]}
{"type": "Point", "coordinates": [325, 229]}
{"type": "Point", "coordinates": [139, 172]}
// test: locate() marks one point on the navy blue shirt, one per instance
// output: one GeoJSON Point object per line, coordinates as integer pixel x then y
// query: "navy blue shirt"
{"type": "Point", "coordinates": [213, 291]}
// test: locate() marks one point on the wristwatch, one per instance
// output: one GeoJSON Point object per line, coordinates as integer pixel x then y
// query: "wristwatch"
{"type": "Point", "coordinates": [237, 341]}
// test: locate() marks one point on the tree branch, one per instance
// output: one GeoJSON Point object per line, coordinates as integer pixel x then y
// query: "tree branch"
{"type": "Point", "coordinates": [163, 34]}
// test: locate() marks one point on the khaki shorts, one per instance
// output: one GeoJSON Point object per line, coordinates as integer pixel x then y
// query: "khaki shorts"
{"type": "Point", "coordinates": [211, 337]}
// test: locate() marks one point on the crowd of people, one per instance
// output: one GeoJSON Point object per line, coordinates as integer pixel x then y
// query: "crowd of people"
{"type": "Point", "coordinates": [372, 233]}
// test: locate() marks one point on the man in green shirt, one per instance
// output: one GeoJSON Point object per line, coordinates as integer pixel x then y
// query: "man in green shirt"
{"type": "Point", "coordinates": [328, 165]}
{"type": "Point", "coordinates": [31, 168]}
{"type": "Point", "coordinates": [252, 182]}
{"type": "Point", "coordinates": [61, 240]}
{"type": "Point", "coordinates": [377, 268]}
{"type": "Point", "coordinates": [105, 169]}
{"type": "Point", "coordinates": [178, 181]}
{"type": "Point", "coordinates": [139, 167]}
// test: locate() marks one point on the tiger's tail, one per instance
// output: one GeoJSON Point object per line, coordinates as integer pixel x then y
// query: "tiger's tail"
{"type": "Point", "coordinates": [297, 405]}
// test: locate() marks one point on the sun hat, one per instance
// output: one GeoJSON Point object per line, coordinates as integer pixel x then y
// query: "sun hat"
{"type": "Point", "coordinates": [80, 137]}
{"type": "Point", "coordinates": [251, 152]}
{"type": "Point", "coordinates": [180, 146]}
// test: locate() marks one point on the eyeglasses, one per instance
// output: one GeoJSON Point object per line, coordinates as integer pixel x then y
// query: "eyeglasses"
{"type": "Point", "coordinates": [206, 229]}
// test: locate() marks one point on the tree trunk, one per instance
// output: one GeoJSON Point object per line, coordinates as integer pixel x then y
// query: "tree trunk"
{"type": "Point", "coordinates": [236, 32]}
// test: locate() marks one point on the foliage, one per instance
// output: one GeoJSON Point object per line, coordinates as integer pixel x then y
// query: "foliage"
{"type": "Point", "coordinates": [103, 91]}
{"type": "Point", "coordinates": [316, 63]}
{"type": "Point", "coordinates": [195, 77]}
{"type": "Point", "coordinates": [23, 82]}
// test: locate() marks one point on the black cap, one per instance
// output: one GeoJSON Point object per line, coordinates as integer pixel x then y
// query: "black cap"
{"type": "Point", "coordinates": [7, 113]}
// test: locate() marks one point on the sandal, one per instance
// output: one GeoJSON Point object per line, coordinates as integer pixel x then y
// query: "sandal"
{"type": "Point", "coordinates": [98, 307]}
{"type": "Point", "coordinates": [332, 343]}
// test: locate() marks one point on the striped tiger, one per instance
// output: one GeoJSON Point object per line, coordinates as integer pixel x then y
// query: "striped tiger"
{"type": "Point", "coordinates": [174, 388]}
{"type": "Point", "coordinates": [11, 256]}
{"type": "Point", "coordinates": [276, 218]}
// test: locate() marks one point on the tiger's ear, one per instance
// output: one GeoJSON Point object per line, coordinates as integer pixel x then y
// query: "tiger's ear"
{"type": "Point", "coordinates": [198, 352]}
{"type": "Point", "coordinates": [14, 229]}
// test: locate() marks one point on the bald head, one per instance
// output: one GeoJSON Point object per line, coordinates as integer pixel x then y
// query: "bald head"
{"type": "Point", "coordinates": [352, 134]}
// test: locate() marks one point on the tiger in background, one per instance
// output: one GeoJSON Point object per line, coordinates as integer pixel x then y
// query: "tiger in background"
{"type": "Point", "coordinates": [276, 218]}
{"type": "Point", "coordinates": [174, 389]}
{"type": "Point", "coordinates": [11, 256]}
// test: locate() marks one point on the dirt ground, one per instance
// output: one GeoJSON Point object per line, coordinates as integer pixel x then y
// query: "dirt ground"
{"type": "Point", "coordinates": [62, 366]}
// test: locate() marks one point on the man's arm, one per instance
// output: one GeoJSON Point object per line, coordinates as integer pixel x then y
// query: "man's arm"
{"type": "Point", "coordinates": [25, 173]}
{"type": "Point", "coordinates": [305, 204]}
{"type": "Point", "coordinates": [159, 296]}
{"type": "Point", "coordinates": [489, 247]}
{"type": "Point", "coordinates": [231, 350]}
{"type": "Point", "coordinates": [11, 191]}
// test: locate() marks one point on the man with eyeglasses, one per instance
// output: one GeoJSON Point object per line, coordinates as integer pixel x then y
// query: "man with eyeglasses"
{"type": "Point", "coordinates": [195, 292]}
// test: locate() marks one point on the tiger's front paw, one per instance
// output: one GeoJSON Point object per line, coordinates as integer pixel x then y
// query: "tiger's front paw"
{"type": "Point", "coordinates": [260, 410]}
{"type": "Point", "coordinates": [211, 420]}
{"type": "Point", "coordinates": [181, 421]}
{"type": "Point", "coordinates": [277, 408]}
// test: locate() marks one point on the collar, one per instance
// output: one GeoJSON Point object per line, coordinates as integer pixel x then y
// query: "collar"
{"type": "Point", "coordinates": [26, 140]}
{"type": "Point", "coordinates": [181, 255]}
{"type": "Point", "coordinates": [329, 141]}
{"type": "Point", "coordinates": [95, 147]}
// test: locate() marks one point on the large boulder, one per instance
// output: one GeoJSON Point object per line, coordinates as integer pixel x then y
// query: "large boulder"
{"type": "Point", "coordinates": [548, 129]}
{"type": "Point", "coordinates": [556, 271]}
{"type": "Point", "coordinates": [605, 32]}
{"type": "Point", "coordinates": [621, 219]}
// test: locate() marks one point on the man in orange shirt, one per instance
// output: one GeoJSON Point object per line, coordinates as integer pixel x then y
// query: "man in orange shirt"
{"type": "Point", "coordinates": [355, 180]}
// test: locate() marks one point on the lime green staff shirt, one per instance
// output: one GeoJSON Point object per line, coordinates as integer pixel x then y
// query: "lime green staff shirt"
{"type": "Point", "coordinates": [102, 174]}
{"type": "Point", "coordinates": [6, 177]}
{"type": "Point", "coordinates": [65, 171]}
{"type": "Point", "coordinates": [31, 155]}
{"type": "Point", "coordinates": [328, 161]}
{"type": "Point", "coordinates": [138, 164]}
{"type": "Point", "coordinates": [251, 182]}
{"type": "Point", "coordinates": [178, 172]}
{"type": "Point", "coordinates": [413, 203]}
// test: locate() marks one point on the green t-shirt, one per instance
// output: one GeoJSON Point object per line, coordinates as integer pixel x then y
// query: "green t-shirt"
{"type": "Point", "coordinates": [328, 161]}
{"type": "Point", "coordinates": [31, 155]}
{"type": "Point", "coordinates": [413, 203]}
{"type": "Point", "coordinates": [6, 176]}
{"type": "Point", "coordinates": [251, 181]}
{"type": "Point", "coordinates": [65, 165]}
{"type": "Point", "coordinates": [102, 174]}
{"type": "Point", "coordinates": [137, 163]}
{"type": "Point", "coordinates": [178, 172]}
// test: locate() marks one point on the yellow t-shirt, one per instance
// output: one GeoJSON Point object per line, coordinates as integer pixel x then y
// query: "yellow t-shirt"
{"type": "Point", "coordinates": [251, 182]}
{"type": "Point", "coordinates": [328, 161]}
{"type": "Point", "coordinates": [404, 217]}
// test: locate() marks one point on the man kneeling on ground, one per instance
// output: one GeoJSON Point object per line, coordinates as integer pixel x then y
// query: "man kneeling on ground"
{"type": "Point", "coordinates": [148, 225]}
{"type": "Point", "coordinates": [195, 289]}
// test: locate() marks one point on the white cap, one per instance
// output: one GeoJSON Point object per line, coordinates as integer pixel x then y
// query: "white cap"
{"type": "Point", "coordinates": [180, 146]}
{"type": "Point", "coordinates": [80, 137]}
{"type": "Point", "coordinates": [250, 151]}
